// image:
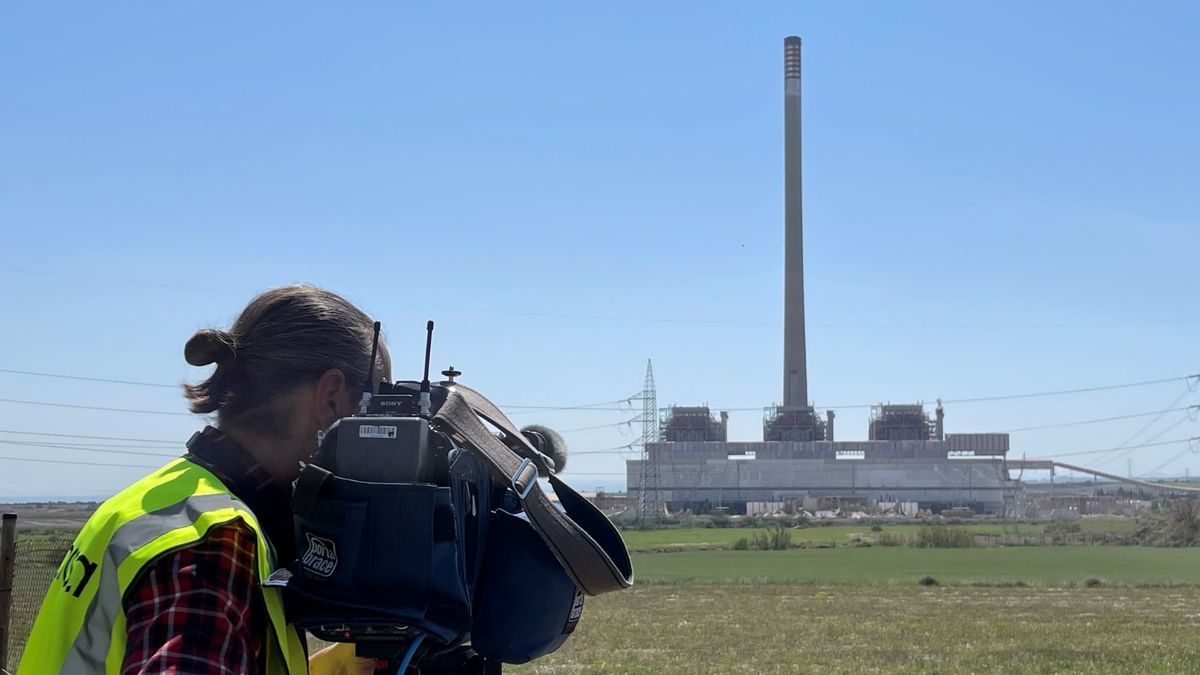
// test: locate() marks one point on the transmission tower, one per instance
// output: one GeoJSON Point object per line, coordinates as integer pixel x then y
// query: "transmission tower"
{"type": "Point", "coordinates": [649, 497]}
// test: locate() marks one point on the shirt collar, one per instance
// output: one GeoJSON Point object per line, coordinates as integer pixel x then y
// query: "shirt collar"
{"type": "Point", "coordinates": [246, 478]}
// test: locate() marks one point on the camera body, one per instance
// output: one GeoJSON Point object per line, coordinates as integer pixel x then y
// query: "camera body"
{"type": "Point", "coordinates": [390, 443]}
{"type": "Point", "coordinates": [417, 502]}
{"type": "Point", "coordinates": [423, 535]}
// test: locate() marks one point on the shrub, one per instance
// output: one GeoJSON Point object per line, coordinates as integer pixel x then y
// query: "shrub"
{"type": "Point", "coordinates": [1184, 523]}
{"type": "Point", "coordinates": [1092, 582]}
{"type": "Point", "coordinates": [1063, 527]}
{"type": "Point", "coordinates": [780, 535]}
{"type": "Point", "coordinates": [877, 528]}
{"type": "Point", "coordinates": [776, 537]}
{"type": "Point", "coordinates": [927, 581]}
{"type": "Point", "coordinates": [943, 536]}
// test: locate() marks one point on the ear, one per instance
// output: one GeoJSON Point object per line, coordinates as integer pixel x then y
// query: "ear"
{"type": "Point", "coordinates": [329, 397]}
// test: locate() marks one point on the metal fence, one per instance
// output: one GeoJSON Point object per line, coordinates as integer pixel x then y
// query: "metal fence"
{"type": "Point", "coordinates": [37, 558]}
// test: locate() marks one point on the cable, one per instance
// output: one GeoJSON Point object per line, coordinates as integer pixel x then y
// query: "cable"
{"type": "Point", "coordinates": [155, 446]}
{"type": "Point", "coordinates": [93, 407]}
{"type": "Point", "coordinates": [1060, 392]}
{"type": "Point", "coordinates": [1192, 380]}
{"type": "Point", "coordinates": [1155, 437]}
{"type": "Point", "coordinates": [99, 438]}
{"type": "Point", "coordinates": [1149, 424]}
{"type": "Point", "coordinates": [89, 379]}
{"type": "Point", "coordinates": [982, 399]}
{"type": "Point", "coordinates": [598, 426]}
{"type": "Point", "coordinates": [586, 406]}
{"type": "Point", "coordinates": [63, 461]}
{"type": "Point", "coordinates": [412, 649]}
{"type": "Point", "coordinates": [618, 448]}
{"type": "Point", "coordinates": [87, 449]}
{"type": "Point", "coordinates": [1186, 450]}
{"type": "Point", "coordinates": [1098, 420]}
{"type": "Point", "coordinates": [1135, 447]}
{"type": "Point", "coordinates": [161, 385]}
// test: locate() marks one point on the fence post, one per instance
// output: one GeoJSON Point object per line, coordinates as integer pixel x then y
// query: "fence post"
{"type": "Point", "coordinates": [8, 555]}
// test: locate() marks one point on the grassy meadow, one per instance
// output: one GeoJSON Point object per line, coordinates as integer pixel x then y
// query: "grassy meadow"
{"type": "Point", "coordinates": [789, 628]}
{"type": "Point", "coordinates": [841, 534]}
{"type": "Point", "coordinates": [1031, 565]}
{"type": "Point", "coordinates": [836, 606]}
{"type": "Point", "coordinates": [700, 607]}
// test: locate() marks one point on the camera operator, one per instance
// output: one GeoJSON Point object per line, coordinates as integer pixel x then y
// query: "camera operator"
{"type": "Point", "coordinates": [166, 576]}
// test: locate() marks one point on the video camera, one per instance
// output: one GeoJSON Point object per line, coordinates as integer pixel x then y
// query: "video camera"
{"type": "Point", "coordinates": [424, 536]}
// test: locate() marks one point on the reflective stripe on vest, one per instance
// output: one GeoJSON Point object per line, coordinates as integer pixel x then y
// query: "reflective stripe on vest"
{"type": "Point", "coordinates": [80, 628]}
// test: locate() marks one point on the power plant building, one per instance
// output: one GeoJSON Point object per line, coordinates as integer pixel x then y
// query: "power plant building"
{"type": "Point", "coordinates": [907, 456]}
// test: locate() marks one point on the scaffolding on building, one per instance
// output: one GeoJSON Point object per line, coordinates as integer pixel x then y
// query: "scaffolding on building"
{"type": "Point", "coordinates": [893, 422]}
{"type": "Point", "coordinates": [693, 423]}
{"type": "Point", "coordinates": [796, 424]}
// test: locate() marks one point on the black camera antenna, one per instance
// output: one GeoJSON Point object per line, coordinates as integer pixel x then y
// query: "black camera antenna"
{"type": "Point", "coordinates": [426, 403]}
{"type": "Point", "coordinates": [364, 403]}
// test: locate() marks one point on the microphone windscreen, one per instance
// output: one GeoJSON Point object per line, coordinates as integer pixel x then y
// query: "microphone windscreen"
{"type": "Point", "coordinates": [549, 443]}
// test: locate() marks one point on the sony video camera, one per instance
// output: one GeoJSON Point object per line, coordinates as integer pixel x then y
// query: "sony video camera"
{"type": "Point", "coordinates": [423, 534]}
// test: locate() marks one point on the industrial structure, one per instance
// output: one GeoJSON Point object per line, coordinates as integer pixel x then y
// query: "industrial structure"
{"type": "Point", "coordinates": [907, 463]}
{"type": "Point", "coordinates": [688, 461]}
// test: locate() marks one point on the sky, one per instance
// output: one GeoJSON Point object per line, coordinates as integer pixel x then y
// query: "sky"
{"type": "Point", "coordinates": [999, 198]}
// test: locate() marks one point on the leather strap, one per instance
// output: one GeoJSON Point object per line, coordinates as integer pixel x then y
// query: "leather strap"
{"type": "Point", "coordinates": [584, 541]}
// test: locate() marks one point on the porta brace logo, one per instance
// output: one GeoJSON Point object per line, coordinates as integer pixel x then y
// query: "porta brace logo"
{"type": "Point", "coordinates": [321, 557]}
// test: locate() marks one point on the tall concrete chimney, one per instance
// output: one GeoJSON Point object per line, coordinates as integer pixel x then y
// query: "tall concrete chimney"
{"type": "Point", "coordinates": [795, 367]}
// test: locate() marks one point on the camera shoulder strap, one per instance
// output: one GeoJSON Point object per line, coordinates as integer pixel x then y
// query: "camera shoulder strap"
{"type": "Point", "coordinates": [585, 542]}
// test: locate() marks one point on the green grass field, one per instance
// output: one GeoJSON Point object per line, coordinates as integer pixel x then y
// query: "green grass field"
{"type": "Point", "coordinates": [839, 534]}
{"type": "Point", "coordinates": [713, 628]}
{"type": "Point", "coordinates": [852, 609]}
{"type": "Point", "coordinates": [1033, 565]}
{"type": "Point", "coordinates": [860, 610]}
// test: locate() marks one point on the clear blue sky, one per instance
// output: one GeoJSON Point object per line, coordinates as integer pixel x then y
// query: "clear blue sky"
{"type": "Point", "coordinates": [1000, 197]}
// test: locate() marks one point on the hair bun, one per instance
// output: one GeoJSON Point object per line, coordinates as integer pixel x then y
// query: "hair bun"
{"type": "Point", "coordinates": [207, 346]}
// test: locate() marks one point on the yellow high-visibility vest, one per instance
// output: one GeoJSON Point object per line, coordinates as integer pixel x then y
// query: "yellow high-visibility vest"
{"type": "Point", "coordinates": [80, 628]}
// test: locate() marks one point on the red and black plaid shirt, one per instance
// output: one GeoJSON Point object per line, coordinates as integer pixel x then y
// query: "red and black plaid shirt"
{"type": "Point", "coordinates": [200, 609]}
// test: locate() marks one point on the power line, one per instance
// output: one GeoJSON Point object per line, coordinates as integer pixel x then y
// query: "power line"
{"type": "Point", "coordinates": [1129, 449]}
{"type": "Point", "coordinates": [99, 438]}
{"type": "Point", "coordinates": [607, 451]}
{"type": "Point", "coordinates": [586, 406]}
{"type": "Point", "coordinates": [599, 426]}
{"type": "Point", "coordinates": [89, 379]}
{"type": "Point", "coordinates": [1190, 379]}
{"type": "Point", "coordinates": [1185, 451]}
{"type": "Point", "coordinates": [64, 461]}
{"type": "Point", "coordinates": [93, 407]}
{"type": "Point", "coordinates": [1149, 424]}
{"type": "Point", "coordinates": [1134, 447]}
{"type": "Point", "coordinates": [607, 406]}
{"type": "Point", "coordinates": [1098, 420]}
{"type": "Point", "coordinates": [648, 319]}
{"type": "Point", "coordinates": [74, 444]}
{"type": "Point", "coordinates": [83, 448]}
{"type": "Point", "coordinates": [1082, 390]}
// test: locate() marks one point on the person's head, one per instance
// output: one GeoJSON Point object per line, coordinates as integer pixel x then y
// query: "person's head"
{"type": "Point", "coordinates": [294, 361]}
